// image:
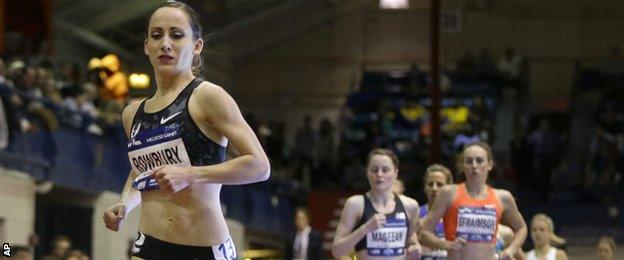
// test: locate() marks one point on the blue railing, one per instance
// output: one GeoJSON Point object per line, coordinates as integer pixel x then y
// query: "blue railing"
{"type": "Point", "coordinates": [70, 155]}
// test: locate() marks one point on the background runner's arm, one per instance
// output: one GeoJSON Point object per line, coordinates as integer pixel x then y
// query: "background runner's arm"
{"type": "Point", "coordinates": [129, 196]}
{"type": "Point", "coordinates": [224, 115]}
{"type": "Point", "coordinates": [426, 235]}
{"type": "Point", "coordinates": [414, 223]}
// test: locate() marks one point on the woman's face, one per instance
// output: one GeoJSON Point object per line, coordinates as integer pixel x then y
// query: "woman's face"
{"type": "Point", "coordinates": [476, 164]}
{"type": "Point", "coordinates": [434, 182]}
{"type": "Point", "coordinates": [169, 44]}
{"type": "Point", "coordinates": [604, 251]}
{"type": "Point", "coordinates": [381, 172]}
{"type": "Point", "coordinates": [540, 234]}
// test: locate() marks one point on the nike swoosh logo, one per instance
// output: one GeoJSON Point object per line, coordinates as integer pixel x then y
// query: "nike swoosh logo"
{"type": "Point", "coordinates": [165, 119]}
{"type": "Point", "coordinates": [135, 130]}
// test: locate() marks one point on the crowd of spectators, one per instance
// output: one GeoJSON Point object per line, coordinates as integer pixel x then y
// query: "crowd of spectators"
{"type": "Point", "coordinates": [533, 150]}
{"type": "Point", "coordinates": [60, 249]}
{"type": "Point", "coordinates": [482, 100]}
{"type": "Point", "coordinates": [41, 93]}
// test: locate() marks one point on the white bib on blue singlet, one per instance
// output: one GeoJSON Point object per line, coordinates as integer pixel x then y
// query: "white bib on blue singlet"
{"type": "Point", "coordinates": [390, 239]}
{"type": "Point", "coordinates": [152, 148]}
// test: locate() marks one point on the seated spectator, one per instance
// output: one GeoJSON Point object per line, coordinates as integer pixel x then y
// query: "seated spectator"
{"type": "Point", "coordinates": [3, 79]}
{"type": "Point", "coordinates": [60, 246]}
{"type": "Point", "coordinates": [564, 177]}
{"type": "Point", "coordinates": [605, 250]}
{"type": "Point", "coordinates": [510, 66]}
{"type": "Point", "coordinates": [304, 150]}
{"type": "Point", "coordinates": [485, 68]}
{"type": "Point", "coordinates": [466, 68]}
{"type": "Point", "coordinates": [546, 145]}
{"type": "Point", "coordinates": [353, 178]}
{"type": "Point", "coordinates": [76, 254]}
{"type": "Point", "coordinates": [19, 252]}
{"type": "Point", "coordinates": [26, 82]}
{"type": "Point", "coordinates": [467, 136]}
{"type": "Point", "coordinates": [84, 103]}
{"type": "Point", "coordinates": [67, 79]}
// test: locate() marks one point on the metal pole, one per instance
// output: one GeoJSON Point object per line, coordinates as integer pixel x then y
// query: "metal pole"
{"type": "Point", "coordinates": [434, 155]}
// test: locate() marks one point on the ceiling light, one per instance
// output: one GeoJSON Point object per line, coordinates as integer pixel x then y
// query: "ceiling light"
{"type": "Point", "coordinates": [393, 4]}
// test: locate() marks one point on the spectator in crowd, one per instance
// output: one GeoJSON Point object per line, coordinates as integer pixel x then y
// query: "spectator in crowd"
{"type": "Point", "coordinates": [325, 154]}
{"type": "Point", "coordinates": [27, 83]}
{"type": "Point", "coordinates": [307, 243]}
{"type": "Point", "coordinates": [84, 100]}
{"type": "Point", "coordinates": [61, 244]}
{"type": "Point", "coordinates": [602, 168]}
{"type": "Point", "coordinates": [485, 67]}
{"type": "Point", "coordinates": [3, 79]}
{"type": "Point", "coordinates": [76, 254]}
{"type": "Point", "coordinates": [305, 146]}
{"type": "Point", "coordinates": [466, 68]}
{"type": "Point", "coordinates": [511, 67]}
{"type": "Point", "coordinates": [276, 142]}
{"type": "Point", "coordinates": [467, 135]}
{"type": "Point", "coordinates": [352, 177]}
{"type": "Point", "coordinates": [546, 145]}
{"type": "Point", "coordinates": [19, 252]}
{"type": "Point", "coordinates": [605, 250]}
{"type": "Point", "coordinates": [68, 79]}
{"type": "Point", "coordinates": [417, 80]}
{"type": "Point", "coordinates": [564, 178]}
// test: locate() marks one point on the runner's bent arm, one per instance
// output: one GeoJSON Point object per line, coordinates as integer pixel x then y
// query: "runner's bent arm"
{"type": "Point", "coordinates": [513, 218]}
{"type": "Point", "coordinates": [440, 205]}
{"type": "Point", "coordinates": [344, 239]}
{"type": "Point", "coordinates": [225, 117]}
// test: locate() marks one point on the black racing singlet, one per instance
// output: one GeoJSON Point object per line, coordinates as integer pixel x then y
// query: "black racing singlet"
{"type": "Point", "coordinates": [389, 240]}
{"type": "Point", "coordinates": [169, 136]}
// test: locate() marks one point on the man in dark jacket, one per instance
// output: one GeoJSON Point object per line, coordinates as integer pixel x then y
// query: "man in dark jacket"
{"type": "Point", "coordinates": [307, 243]}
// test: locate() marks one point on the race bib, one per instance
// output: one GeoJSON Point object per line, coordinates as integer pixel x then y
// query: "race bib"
{"type": "Point", "coordinates": [225, 251]}
{"type": "Point", "coordinates": [434, 255]}
{"type": "Point", "coordinates": [152, 148]}
{"type": "Point", "coordinates": [389, 240]}
{"type": "Point", "coordinates": [477, 224]}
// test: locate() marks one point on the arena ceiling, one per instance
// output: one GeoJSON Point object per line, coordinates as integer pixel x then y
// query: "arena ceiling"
{"type": "Point", "coordinates": [237, 29]}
